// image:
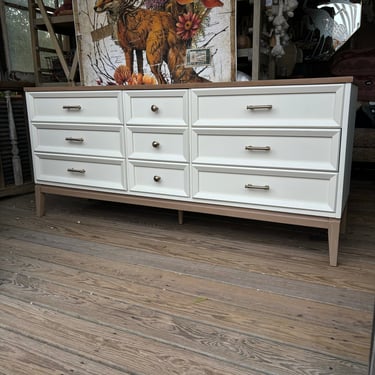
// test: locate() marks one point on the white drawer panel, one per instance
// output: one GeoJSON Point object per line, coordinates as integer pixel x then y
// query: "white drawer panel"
{"type": "Point", "coordinates": [157, 178]}
{"type": "Point", "coordinates": [87, 172]}
{"type": "Point", "coordinates": [104, 107]}
{"type": "Point", "coordinates": [291, 106]}
{"type": "Point", "coordinates": [164, 107]}
{"type": "Point", "coordinates": [271, 148]}
{"type": "Point", "coordinates": [163, 144]}
{"type": "Point", "coordinates": [287, 189]}
{"type": "Point", "coordinates": [94, 140]}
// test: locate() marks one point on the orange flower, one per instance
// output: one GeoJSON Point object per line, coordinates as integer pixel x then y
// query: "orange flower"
{"type": "Point", "coordinates": [212, 3]}
{"type": "Point", "coordinates": [188, 25]}
{"type": "Point", "coordinates": [122, 74]}
{"type": "Point", "coordinates": [149, 80]}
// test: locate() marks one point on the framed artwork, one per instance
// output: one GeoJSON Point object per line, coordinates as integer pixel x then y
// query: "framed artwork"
{"type": "Point", "coordinates": [125, 42]}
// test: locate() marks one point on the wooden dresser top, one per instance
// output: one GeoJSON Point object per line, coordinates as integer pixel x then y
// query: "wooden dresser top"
{"type": "Point", "coordinates": [279, 82]}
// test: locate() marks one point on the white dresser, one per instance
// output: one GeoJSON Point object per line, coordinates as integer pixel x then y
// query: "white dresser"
{"type": "Point", "coordinates": [277, 151]}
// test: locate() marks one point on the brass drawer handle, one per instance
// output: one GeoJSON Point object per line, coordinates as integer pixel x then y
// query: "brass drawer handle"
{"type": "Point", "coordinates": [72, 107]}
{"type": "Point", "coordinates": [76, 170]}
{"type": "Point", "coordinates": [259, 107]}
{"type": "Point", "coordinates": [257, 148]}
{"type": "Point", "coordinates": [155, 144]}
{"type": "Point", "coordinates": [157, 178]}
{"type": "Point", "coordinates": [72, 139]}
{"type": "Point", "coordinates": [154, 108]}
{"type": "Point", "coordinates": [259, 187]}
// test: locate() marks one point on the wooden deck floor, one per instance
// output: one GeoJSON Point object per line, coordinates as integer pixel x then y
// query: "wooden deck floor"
{"type": "Point", "coordinates": [103, 288]}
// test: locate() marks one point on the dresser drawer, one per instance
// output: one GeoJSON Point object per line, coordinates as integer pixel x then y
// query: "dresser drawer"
{"type": "Point", "coordinates": [270, 189]}
{"type": "Point", "coordinates": [104, 107]}
{"type": "Point", "coordinates": [159, 178]}
{"type": "Point", "coordinates": [84, 172]}
{"type": "Point", "coordinates": [290, 106]}
{"type": "Point", "coordinates": [166, 107]}
{"type": "Point", "coordinates": [159, 144]}
{"type": "Point", "coordinates": [316, 149]}
{"type": "Point", "coordinates": [95, 140]}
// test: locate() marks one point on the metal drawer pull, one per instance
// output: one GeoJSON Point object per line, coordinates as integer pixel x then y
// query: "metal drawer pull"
{"type": "Point", "coordinates": [260, 187]}
{"type": "Point", "coordinates": [157, 178]}
{"type": "Point", "coordinates": [76, 170]}
{"type": "Point", "coordinates": [259, 107]}
{"type": "Point", "coordinates": [72, 107]}
{"type": "Point", "coordinates": [257, 148]}
{"type": "Point", "coordinates": [154, 108]}
{"type": "Point", "coordinates": [72, 139]}
{"type": "Point", "coordinates": [155, 144]}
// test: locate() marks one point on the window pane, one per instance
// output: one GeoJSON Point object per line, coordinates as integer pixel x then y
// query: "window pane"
{"type": "Point", "coordinates": [50, 3]}
{"type": "Point", "coordinates": [17, 23]}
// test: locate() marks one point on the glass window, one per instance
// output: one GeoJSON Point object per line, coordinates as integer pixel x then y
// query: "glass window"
{"type": "Point", "coordinates": [19, 43]}
{"type": "Point", "coordinates": [18, 35]}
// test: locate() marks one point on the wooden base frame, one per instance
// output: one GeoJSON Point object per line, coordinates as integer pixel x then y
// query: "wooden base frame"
{"type": "Point", "coordinates": [333, 225]}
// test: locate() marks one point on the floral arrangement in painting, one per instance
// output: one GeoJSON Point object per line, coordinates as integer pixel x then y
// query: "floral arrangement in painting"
{"type": "Point", "coordinates": [166, 36]}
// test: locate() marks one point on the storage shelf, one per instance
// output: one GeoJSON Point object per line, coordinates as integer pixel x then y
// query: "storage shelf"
{"type": "Point", "coordinates": [61, 30]}
{"type": "Point", "coordinates": [61, 24]}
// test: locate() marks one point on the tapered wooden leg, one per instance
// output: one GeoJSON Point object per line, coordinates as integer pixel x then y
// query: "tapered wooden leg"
{"type": "Point", "coordinates": [180, 217]}
{"type": "Point", "coordinates": [39, 201]}
{"type": "Point", "coordinates": [333, 241]}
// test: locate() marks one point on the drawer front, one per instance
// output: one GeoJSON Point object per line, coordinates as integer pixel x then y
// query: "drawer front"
{"type": "Point", "coordinates": [84, 172]}
{"type": "Point", "coordinates": [157, 178]}
{"type": "Point", "coordinates": [107, 141]}
{"type": "Point", "coordinates": [270, 148]}
{"type": "Point", "coordinates": [104, 107]}
{"type": "Point", "coordinates": [287, 106]}
{"type": "Point", "coordinates": [163, 144]}
{"type": "Point", "coordinates": [270, 189]}
{"type": "Point", "coordinates": [165, 107]}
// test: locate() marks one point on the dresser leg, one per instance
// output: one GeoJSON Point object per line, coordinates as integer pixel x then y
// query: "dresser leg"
{"type": "Point", "coordinates": [333, 241]}
{"type": "Point", "coordinates": [39, 201]}
{"type": "Point", "coordinates": [180, 217]}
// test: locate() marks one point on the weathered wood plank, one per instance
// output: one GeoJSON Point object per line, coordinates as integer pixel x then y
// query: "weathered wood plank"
{"type": "Point", "coordinates": [256, 297]}
{"type": "Point", "coordinates": [103, 343]}
{"type": "Point", "coordinates": [21, 355]}
{"type": "Point", "coordinates": [220, 249]}
{"type": "Point", "coordinates": [218, 343]}
{"type": "Point", "coordinates": [298, 332]}
{"type": "Point", "coordinates": [269, 303]}
{"type": "Point", "coordinates": [257, 280]}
